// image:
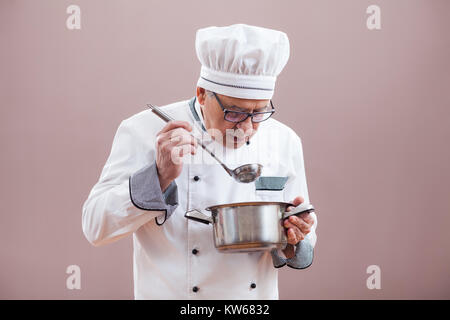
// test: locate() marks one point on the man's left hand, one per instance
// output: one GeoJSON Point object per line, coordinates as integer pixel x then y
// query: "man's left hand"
{"type": "Point", "coordinates": [298, 226]}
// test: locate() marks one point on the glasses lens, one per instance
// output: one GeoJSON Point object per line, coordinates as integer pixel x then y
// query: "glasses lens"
{"type": "Point", "coordinates": [235, 116]}
{"type": "Point", "coordinates": [258, 117]}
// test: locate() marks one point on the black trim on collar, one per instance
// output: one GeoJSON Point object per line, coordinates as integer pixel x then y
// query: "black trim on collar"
{"type": "Point", "coordinates": [194, 112]}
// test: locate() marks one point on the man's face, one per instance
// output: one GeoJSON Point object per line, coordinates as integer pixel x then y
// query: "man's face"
{"type": "Point", "coordinates": [233, 135]}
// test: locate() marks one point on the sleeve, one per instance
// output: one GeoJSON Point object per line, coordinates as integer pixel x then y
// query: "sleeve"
{"type": "Point", "coordinates": [146, 193]}
{"type": "Point", "coordinates": [297, 186]}
{"type": "Point", "coordinates": [109, 213]}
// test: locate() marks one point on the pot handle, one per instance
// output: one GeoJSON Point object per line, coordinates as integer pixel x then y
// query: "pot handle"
{"type": "Point", "coordinates": [304, 207]}
{"type": "Point", "coordinates": [198, 216]}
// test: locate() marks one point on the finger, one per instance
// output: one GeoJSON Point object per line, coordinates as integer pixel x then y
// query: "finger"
{"type": "Point", "coordinates": [176, 124]}
{"type": "Point", "coordinates": [176, 137]}
{"type": "Point", "coordinates": [188, 149]}
{"type": "Point", "coordinates": [171, 134]}
{"type": "Point", "coordinates": [292, 223]}
{"type": "Point", "coordinates": [178, 140]}
{"type": "Point", "coordinates": [303, 230]}
{"type": "Point", "coordinates": [292, 238]}
{"type": "Point", "coordinates": [298, 200]}
{"type": "Point", "coordinates": [300, 234]}
{"type": "Point", "coordinates": [177, 153]}
{"type": "Point", "coordinates": [307, 217]}
{"type": "Point", "coordinates": [288, 224]}
{"type": "Point", "coordinates": [186, 137]}
{"type": "Point", "coordinates": [300, 223]}
{"type": "Point", "coordinates": [181, 151]}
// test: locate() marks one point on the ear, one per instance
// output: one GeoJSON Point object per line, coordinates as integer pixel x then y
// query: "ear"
{"type": "Point", "coordinates": [201, 95]}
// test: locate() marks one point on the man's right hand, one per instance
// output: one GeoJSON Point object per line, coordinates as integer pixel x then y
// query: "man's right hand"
{"type": "Point", "coordinates": [172, 143]}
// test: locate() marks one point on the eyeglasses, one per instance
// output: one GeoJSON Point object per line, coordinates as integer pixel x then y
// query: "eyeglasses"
{"type": "Point", "coordinates": [240, 116]}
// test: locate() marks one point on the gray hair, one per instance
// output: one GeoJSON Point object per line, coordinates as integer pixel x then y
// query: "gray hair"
{"type": "Point", "coordinates": [209, 93]}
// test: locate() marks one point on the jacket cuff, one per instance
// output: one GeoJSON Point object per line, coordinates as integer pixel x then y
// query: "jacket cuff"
{"type": "Point", "coordinates": [146, 193]}
{"type": "Point", "coordinates": [277, 260]}
{"type": "Point", "coordinates": [303, 258]}
{"type": "Point", "coordinates": [304, 253]}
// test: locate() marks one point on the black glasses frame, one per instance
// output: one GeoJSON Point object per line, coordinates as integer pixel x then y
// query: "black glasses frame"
{"type": "Point", "coordinates": [248, 114]}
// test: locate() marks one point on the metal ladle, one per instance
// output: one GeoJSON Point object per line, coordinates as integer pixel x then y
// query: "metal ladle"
{"type": "Point", "coordinates": [245, 174]}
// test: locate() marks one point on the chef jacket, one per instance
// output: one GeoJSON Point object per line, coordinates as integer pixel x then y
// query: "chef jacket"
{"type": "Point", "coordinates": [174, 257]}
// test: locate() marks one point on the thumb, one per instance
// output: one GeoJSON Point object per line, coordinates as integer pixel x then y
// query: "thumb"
{"type": "Point", "coordinates": [298, 200]}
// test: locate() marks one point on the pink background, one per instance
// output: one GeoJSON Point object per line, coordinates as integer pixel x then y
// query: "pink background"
{"type": "Point", "coordinates": [372, 108]}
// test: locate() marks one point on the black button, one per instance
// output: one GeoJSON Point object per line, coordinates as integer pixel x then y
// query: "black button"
{"type": "Point", "coordinates": [194, 251]}
{"type": "Point", "coordinates": [195, 289]}
{"type": "Point", "coordinates": [196, 178]}
{"type": "Point", "coordinates": [253, 285]}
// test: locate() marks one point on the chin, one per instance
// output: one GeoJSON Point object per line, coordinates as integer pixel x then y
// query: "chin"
{"type": "Point", "coordinates": [235, 145]}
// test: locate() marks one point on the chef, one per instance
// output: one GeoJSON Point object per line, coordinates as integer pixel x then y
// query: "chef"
{"type": "Point", "coordinates": [156, 172]}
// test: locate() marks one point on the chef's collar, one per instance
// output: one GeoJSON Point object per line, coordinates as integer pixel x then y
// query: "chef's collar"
{"type": "Point", "coordinates": [197, 113]}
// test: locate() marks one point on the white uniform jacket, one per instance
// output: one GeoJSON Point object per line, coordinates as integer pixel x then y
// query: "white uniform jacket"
{"type": "Point", "coordinates": [175, 258]}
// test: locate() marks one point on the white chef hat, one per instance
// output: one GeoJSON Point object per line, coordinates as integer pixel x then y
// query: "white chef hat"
{"type": "Point", "coordinates": [241, 61]}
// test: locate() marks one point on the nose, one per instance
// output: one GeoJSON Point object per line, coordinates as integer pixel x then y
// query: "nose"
{"type": "Point", "coordinates": [246, 125]}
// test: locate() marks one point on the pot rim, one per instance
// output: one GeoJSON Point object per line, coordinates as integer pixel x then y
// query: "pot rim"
{"type": "Point", "coordinates": [247, 204]}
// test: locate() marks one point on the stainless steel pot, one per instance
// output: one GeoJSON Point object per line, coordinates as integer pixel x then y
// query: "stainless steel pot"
{"type": "Point", "coordinates": [248, 226]}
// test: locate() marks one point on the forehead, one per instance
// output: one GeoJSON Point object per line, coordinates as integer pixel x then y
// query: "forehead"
{"type": "Point", "coordinates": [244, 104]}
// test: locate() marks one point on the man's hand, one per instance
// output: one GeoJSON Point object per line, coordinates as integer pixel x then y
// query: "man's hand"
{"type": "Point", "coordinates": [172, 143]}
{"type": "Point", "coordinates": [297, 227]}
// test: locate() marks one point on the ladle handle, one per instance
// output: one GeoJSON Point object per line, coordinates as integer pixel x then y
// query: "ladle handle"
{"type": "Point", "coordinates": [164, 116]}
